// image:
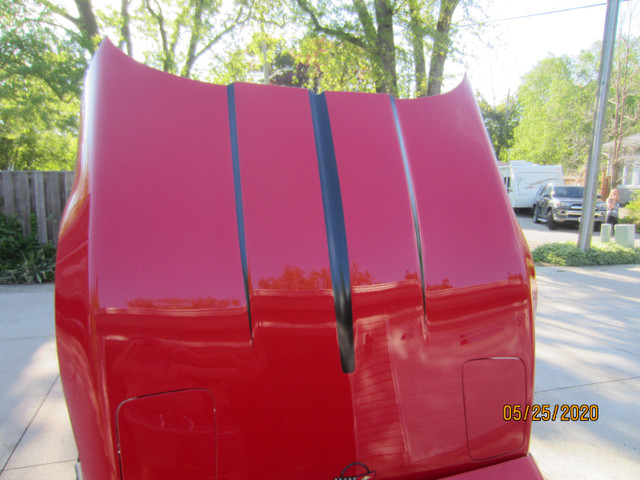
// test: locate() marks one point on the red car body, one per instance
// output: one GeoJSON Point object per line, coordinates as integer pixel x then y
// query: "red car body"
{"type": "Point", "coordinates": [257, 282]}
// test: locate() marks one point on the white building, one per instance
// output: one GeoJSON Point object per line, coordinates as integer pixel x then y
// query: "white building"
{"type": "Point", "coordinates": [630, 156]}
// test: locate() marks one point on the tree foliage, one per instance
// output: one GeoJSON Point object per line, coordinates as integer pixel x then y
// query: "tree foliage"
{"type": "Point", "coordinates": [557, 98]}
{"type": "Point", "coordinates": [500, 122]}
{"type": "Point", "coordinates": [556, 114]}
{"type": "Point", "coordinates": [40, 78]}
{"type": "Point", "coordinates": [335, 65]}
{"type": "Point", "coordinates": [183, 31]}
{"type": "Point", "coordinates": [393, 46]}
{"type": "Point", "coordinates": [624, 98]}
{"type": "Point", "coordinates": [45, 48]}
{"type": "Point", "coordinates": [383, 30]}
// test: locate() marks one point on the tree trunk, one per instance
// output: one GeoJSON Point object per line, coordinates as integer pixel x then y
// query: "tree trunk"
{"type": "Point", "coordinates": [417, 42]}
{"type": "Point", "coordinates": [196, 34]}
{"type": "Point", "coordinates": [616, 164]}
{"type": "Point", "coordinates": [441, 45]}
{"type": "Point", "coordinates": [125, 32]}
{"type": "Point", "coordinates": [168, 58]}
{"type": "Point", "coordinates": [87, 24]}
{"type": "Point", "coordinates": [385, 47]}
{"type": "Point", "coordinates": [377, 42]}
{"type": "Point", "coordinates": [627, 114]}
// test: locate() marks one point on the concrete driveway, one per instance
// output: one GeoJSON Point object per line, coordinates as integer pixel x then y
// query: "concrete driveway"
{"type": "Point", "coordinates": [587, 342]}
{"type": "Point", "coordinates": [35, 436]}
{"type": "Point", "coordinates": [587, 353]}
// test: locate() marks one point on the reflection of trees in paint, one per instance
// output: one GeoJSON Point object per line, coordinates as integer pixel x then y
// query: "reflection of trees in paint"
{"type": "Point", "coordinates": [410, 275]}
{"type": "Point", "coordinates": [197, 303]}
{"type": "Point", "coordinates": [295, 278]}
{"type": "Point", "coordinates": [515, 277]}
{"type": "Point", "coordinates": [444, 285]}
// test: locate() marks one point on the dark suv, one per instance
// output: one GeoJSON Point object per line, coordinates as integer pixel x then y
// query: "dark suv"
{"type": "Point", "coordinates": [555, 204]}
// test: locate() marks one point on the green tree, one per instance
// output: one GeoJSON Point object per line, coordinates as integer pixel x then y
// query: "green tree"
{"type": "Point", "coordinates": [557, 98]}
{"type": "Point", "coordinates": [335, 65]}
{"type": "Point", "coordinates": [38, 131]}
{"type": "Point", "coordinates": [181, 32]}
{"type": "Point", "coordinates": [501, 122]}
{"type": "Point", "coordinates": [45, 47]}
{"type": "Point", "coordinates": [556, 114]}
{"type": "Point", "coordinates": [176, 33]}
{"type": "Point", "coordinates": [265, 59]}
{"type": "Point", "coordinates": [624, 98]}
{"type": "Point", "coordinates": [441, 45]}
{"type": "Point", "coordinates": [84, 30]}
{"type": "Point", "coordinates": [377, 30]}
{"type": "Point", "coordinates": [41, 71]}
{"type": "Point", "coordinates": [314, 62]}
{"type": "Point", "coordinates": [367, 27]}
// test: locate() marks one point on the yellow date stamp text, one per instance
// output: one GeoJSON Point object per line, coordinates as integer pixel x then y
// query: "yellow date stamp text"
{"type": "Point", "coordinates": [551, 413]}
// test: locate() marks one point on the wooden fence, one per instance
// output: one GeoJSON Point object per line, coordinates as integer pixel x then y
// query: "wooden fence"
{"type": "Point", "coordinates": [41, 193]}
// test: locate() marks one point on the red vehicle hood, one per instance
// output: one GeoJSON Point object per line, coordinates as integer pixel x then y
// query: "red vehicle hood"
{"type": "Point", "coordinates": [257, 282]}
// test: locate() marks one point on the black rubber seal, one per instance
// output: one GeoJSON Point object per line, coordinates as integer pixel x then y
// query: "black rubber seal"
{"type": "Point", "coordinates": [336, 232]}
{"type": "Point", "coordinates": [235, 157]}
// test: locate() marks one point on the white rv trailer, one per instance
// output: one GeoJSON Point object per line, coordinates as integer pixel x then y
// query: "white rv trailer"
{"type": "Point", "coordinates": [522, 180]}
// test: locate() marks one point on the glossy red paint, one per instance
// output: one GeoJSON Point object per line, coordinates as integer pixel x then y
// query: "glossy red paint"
{"type": "Point", "coordinates": [195, 284]}
{"type": "Point", "coordinates": [489, 384]}
{"type": "Point", "coordinates": [523, 467]}
{"type": "Point", "coordinates": [169, 435]}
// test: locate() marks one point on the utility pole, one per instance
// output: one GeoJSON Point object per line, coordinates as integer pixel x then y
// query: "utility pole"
{"type": "Point", "coordinates": [265, 63]}
{"type": "Point", "coordinates": [589, 200]}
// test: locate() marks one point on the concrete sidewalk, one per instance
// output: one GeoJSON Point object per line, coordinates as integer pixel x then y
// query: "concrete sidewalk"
{"type": "Point", "coordinates": [587, 346]}
{"type": "Point", "coordinates": [588, 352]}
{"type": "Point", "coordinates": [36, 442]}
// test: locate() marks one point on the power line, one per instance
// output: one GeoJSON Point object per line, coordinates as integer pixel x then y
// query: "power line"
{"type": "Point", "coordinates": [549, 13]}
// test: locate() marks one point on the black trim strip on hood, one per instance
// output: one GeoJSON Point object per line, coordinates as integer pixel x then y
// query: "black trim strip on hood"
{"type": "Point", "coordinates": [412, 196]}
{"type": "Point", "coordinates": [233, 131]}
{"type": "Point", "coordinates": [336, 232]}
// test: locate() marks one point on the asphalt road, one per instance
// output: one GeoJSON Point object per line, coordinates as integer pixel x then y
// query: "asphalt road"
{"type": "Point", "coordinates": [538, 233]}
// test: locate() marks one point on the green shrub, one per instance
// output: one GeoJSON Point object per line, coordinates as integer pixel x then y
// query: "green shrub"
{"type": "Point", "coordinates": [633, 211]}
{"type": "Point", "coordinates": [630, 221]}
{"type": "Point", "coordinates": [23, 259]}
{"type": "Point", "coordinates": [569, 254]}
{"type": "Point", "coordinates": [13, 243]}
